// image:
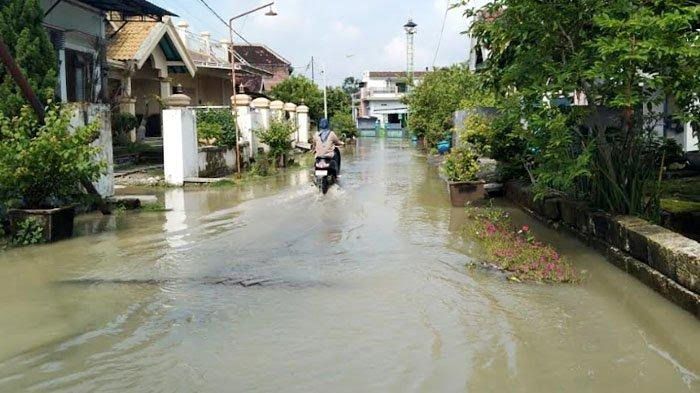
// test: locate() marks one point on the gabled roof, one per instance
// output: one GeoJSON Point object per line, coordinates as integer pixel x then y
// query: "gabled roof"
{"type": "Point", "coordinates": [136, 41]}
{"type": "Point", "coordinates": [259, 54]}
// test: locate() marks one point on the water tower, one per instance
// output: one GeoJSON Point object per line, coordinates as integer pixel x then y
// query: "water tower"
{"type": "Point", "coordinates": [411, 30]}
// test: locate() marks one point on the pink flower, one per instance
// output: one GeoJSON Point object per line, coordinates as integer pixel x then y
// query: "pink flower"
{"type": "Point", "coordinates": [526, 228]}
{"type": "Point", "coordinates": [491, 229]}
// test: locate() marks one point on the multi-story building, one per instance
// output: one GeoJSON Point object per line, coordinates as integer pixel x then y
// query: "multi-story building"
{"type": "Point", "coordinates": [379, 103]}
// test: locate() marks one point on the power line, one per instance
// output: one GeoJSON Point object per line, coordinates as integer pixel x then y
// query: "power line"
{"type": "Point", "coordinates": [223, 21]}
{"type": "Point", "coordinates": [442, 32]}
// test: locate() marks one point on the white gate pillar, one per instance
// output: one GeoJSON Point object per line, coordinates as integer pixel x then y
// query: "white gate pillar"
{"type": "Point", "coordinates": [263, 106]}
{"type": "Point", "coordinates": [303, 123]}
{"type": "Point", "coordinates": [241, 104]}
{"type": "Point", "coordinates": [290, 111]}
{"type": "Point", "coordinates": [180, 150]}
{"type": "Point", "coordinates": [277, 110]}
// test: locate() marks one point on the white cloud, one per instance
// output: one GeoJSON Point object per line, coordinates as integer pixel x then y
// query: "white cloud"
{"type": "Point", "coordinates": [348, 31]}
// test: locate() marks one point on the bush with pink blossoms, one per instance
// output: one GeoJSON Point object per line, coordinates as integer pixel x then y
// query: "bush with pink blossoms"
{"type": "Point", "coordinates": [515, 250]}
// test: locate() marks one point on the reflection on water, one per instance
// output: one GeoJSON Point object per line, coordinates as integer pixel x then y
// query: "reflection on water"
{"type": "Point", "coordinates": [273, 287]}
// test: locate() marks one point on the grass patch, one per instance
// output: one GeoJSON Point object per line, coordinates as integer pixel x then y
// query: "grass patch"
{"type": "Point", "coordinates": [516, 251]}
{"type": "Point", "coordinates": [679, 206]}
{"type": "Point", "coordinates": [686, 186]}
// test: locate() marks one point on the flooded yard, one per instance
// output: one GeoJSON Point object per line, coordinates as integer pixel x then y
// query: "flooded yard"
{"type": "Point", "coordinates": [272, 287]}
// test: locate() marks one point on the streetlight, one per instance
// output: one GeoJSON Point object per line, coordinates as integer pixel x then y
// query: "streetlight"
{"type": "Point", "coordinates": [270, 12]}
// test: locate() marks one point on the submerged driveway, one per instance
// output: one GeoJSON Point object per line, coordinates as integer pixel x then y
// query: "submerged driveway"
{"type": "Point", "coordinates": [273, 287]}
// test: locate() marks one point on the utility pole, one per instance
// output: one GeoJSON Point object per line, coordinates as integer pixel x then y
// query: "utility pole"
{"type": "Point", "coordinates": [232, 49]}
{"type": "Point", "coordinates": [313, 72]}
{"type": "Point", "coordinates": [325, 92]}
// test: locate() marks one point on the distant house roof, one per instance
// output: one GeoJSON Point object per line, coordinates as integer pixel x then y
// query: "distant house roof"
{"type": "Point", "coordinates": [258, 54]}
{"type": "Point", "coordinates": [203, 60]}
{"type": "Point", "coordinates": [394, 74]}
{"type": "Point", "coordinates": [136, 41]}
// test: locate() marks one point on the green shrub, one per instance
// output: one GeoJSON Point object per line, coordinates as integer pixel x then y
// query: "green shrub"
{"type": "Point", "coordinates": [433, 102]}
{"type": "Point", "coordinates": [278, 137]}
{"type": "Point", "coordinates": [461, 165]}
{"type": "Point", "coordinates": [669, 151]}
{"type": "Point", "coordinates": [261, 167]}
{"type": "Point", "coordinates": [29, 231]}
{"type": "Point", "coordinates": [122, 123]}
{"type": "Point", "coordinates": [43, 166]}
{"type": "Point", "coordinates": [344, 125]}
{"type": "Point", "coordinates": [21, 29]}
{"type": "Point", "coordinates": [479, 133]}
{"type": "Point", "coordinates": [217, 126]}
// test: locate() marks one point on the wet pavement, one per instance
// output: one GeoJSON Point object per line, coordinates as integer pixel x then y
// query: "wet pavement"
{"type": "Point", "coordinates": [272, 287]}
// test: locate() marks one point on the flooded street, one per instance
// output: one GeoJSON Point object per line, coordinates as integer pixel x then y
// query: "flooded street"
{"type": "Point", "coordinates": [272, 287]}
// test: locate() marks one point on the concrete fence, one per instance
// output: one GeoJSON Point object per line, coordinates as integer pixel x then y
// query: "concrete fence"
{"type": "Point", "coordinates": [84, 114]}
{"type": "Point", "coordinates": [184, 158]}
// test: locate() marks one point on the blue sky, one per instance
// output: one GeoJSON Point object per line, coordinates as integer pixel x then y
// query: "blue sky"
{"type": "Point", "coordinates": [349, 36]}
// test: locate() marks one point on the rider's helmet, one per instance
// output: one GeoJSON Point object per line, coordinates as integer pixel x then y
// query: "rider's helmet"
{"type": "Point", "coordinates": [324, 124]}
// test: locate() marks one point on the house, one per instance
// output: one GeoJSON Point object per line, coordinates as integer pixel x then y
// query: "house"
{"type": "Point", "coordinates": [145, 57]}
{"type": "Point", "coordinates": [380, 100]}
{"type": "Point", "coordinates": [78, 32]}
{"type": "Point", "coordinates": [149, 58]}
{"type": "Point", "coordinates": [260, 56]}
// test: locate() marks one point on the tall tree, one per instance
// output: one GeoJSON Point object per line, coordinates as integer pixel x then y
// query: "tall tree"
{"type": "Point", "coordinates": [351, 85]}
{"type": "Point", "coordinates": [29, 43]}
{"type": "Point", "coordinates": [339, 102]}
{"type": "Point", "coordinates": [621, 56]}
{"type": "Point", "coordinates": [298, 89]}
{"type": "Point", "coordinates": [433, 102]}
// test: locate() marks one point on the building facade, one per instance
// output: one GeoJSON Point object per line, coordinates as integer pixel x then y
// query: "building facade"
{"type": "Point", "coordinates": [379, 103]}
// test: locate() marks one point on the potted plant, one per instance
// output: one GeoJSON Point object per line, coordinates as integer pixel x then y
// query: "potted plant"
{"type": "Point", "coordinates": [460, 169]}
{"type": "Point", "coordinates": [42, 167]}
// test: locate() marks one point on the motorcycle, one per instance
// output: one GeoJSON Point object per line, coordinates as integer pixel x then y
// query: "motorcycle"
{"type": "Point", "coordinates": [326, 171]}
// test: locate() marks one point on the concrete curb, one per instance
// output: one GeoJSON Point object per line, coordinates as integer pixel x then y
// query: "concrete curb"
{"type": "Point", "coordinates": [664, 260]}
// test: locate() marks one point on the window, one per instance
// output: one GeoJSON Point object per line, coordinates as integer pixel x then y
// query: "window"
{"type": "Point", "coordinates": [80, 75]}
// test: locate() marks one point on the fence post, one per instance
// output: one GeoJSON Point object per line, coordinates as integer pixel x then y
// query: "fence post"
{"type": "Point", "coordinates": [277, 110]}
{"type": "Point", "coordinates": [241, 104]}
{"type": "Point", "coordinates": [290, 111]}
{"type": "Point", "coordinates": [263, 106]}
{"type": "Point", "coordinates": [303, 124]}
{"type": "Point", "coordinates": [180, 150]}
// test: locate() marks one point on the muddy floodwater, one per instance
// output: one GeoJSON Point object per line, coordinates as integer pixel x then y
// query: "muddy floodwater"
{"type": "Point", "coordinates": [270, 287]}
